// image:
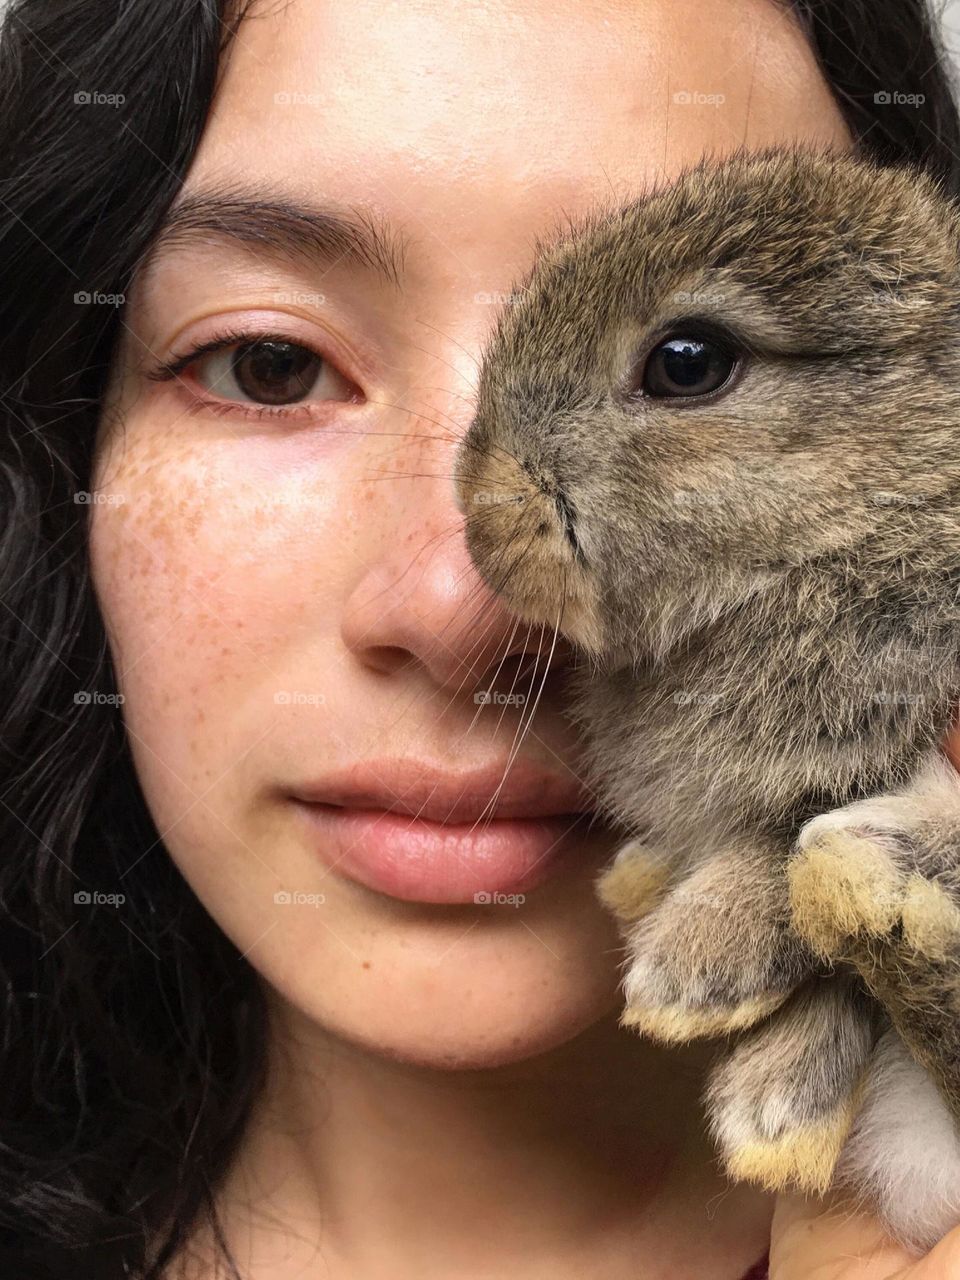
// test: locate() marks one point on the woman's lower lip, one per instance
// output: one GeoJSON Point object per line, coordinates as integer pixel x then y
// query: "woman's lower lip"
{"type": "Point", "coordinates": [424, 861]}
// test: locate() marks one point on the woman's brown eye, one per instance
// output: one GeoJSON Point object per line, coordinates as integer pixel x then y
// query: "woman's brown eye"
{"type": "Point", "coordinates": [686, 366]}
{"type": "Point", "coordinates": [275, 372]}
{"type": "Point", "coordinates": [270, 371]}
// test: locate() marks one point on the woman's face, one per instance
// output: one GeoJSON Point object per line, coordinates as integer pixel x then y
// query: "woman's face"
{"type": "Point", "coordinates": [290, 606]}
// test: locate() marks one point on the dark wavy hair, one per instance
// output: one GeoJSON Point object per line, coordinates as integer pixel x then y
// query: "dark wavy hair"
{"type": "Point", "coordinates": [131, 1036]}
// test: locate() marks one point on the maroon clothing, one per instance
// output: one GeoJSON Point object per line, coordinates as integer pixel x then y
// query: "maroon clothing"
{"type": "Point", "coordinates": [759, 1271]}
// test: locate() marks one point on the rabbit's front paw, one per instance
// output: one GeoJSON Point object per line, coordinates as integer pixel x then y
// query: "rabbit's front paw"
{"type": "Point", "coordinates": [877, 884]}
{"type": "Point", "coordinates": [715, 953]}
{"type": "Point", "coordinates": [782, 1101]}
{"type": "Point", "coordinates": [870, 868]}
{"type": "Point", "coordinates": [634, 881]}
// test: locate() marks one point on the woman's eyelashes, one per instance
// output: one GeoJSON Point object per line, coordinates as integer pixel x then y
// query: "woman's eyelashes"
{"type": "Point", "coordinates": [259, 373]}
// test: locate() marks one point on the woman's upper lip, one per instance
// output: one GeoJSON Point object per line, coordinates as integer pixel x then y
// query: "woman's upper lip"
{"type": "Point", "coordinates": [445, 795]}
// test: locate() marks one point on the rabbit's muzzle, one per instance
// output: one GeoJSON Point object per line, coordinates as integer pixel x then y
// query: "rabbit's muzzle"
{"type": "Point", "coordinates": [521, 534]}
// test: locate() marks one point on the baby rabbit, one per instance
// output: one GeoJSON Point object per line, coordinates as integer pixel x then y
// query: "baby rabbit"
{"type": "Point", "coordinates": [717, 443]}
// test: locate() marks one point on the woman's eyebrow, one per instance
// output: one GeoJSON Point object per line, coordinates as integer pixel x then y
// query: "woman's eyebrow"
{"type": "Point", "coordinates": [317, 233]}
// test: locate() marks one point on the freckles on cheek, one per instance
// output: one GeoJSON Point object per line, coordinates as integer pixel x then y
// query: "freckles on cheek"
{"type": "Point", "coordinates": [201, 590]}
{"type": "Point", "coordinates": [156, 582]}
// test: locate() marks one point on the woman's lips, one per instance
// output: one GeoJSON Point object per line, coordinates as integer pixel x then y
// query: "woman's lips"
{"type": "Point", "coordinates": [420, 833]}
{"type": "Point", "coordinates": [422, 860]}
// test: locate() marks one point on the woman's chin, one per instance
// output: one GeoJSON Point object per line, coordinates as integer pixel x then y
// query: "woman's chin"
{"type": "Point", "coordinates": [475, 1043]}
{"type": "Point", "coordinates": [497, 1005]}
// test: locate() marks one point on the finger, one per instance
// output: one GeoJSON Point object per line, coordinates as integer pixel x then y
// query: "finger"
{"type": "Point", "coordinates": [951, 746]}
{"type": "Point", "coordinates": [813, 1241]}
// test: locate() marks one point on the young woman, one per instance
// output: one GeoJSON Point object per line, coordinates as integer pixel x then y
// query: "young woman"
{"type": "Point", "coordinates": [258, 1023]}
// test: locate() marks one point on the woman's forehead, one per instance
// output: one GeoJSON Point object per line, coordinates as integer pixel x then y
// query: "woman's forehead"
{"type": "Point", "coordinates": [458, 118]}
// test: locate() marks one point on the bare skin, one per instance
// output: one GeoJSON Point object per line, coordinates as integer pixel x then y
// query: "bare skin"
{"type": "Point", "coordinates": [449, 1092]}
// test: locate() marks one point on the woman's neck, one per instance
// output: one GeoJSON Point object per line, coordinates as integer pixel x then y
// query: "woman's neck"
{"type": "Point", "coordinates": [588, 1159]}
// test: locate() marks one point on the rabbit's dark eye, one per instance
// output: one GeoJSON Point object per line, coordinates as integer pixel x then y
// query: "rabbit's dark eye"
{"type": "Point", "coordinates": [686, 366]}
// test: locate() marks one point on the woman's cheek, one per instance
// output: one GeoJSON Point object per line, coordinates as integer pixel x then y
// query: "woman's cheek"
{"type": "Point", "coordinates": [206, 568]}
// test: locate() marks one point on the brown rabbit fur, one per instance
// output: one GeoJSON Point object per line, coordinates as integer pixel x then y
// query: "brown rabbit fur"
{"type": "Point", "coordinates": [764, 581]}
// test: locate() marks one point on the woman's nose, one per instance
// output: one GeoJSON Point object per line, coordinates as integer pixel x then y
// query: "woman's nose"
{"type": "Point", "coordinates": [419, 600]}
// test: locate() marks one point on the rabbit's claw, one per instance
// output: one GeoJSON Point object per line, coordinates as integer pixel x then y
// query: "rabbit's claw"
{"type": "Point", "coordinates": [713, 952]}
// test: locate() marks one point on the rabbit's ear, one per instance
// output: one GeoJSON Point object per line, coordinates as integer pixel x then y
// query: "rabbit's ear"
{"type": "Point", "coordinates": [877, 884]}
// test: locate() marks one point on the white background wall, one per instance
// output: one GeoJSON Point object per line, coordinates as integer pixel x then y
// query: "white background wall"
{"type": "Point", "coordinates": [951, 18]}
